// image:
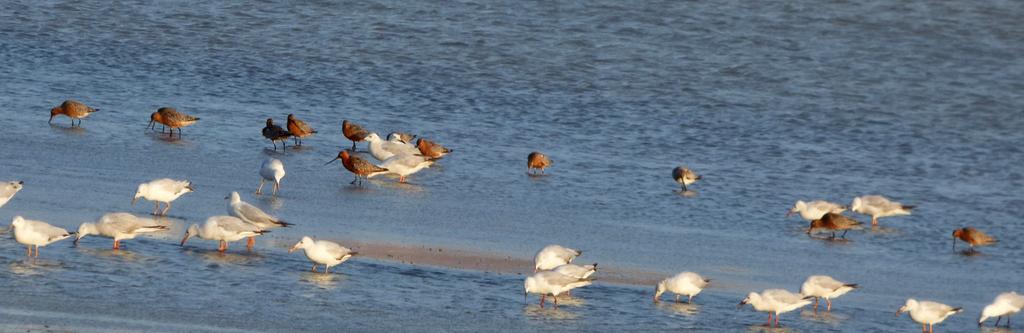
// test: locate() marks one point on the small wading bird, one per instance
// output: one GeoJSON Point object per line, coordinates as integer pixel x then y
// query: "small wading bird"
{"type": "Point", "coordinates": [162, 190]}
{"type": "Point", "coordinates": [299, 129]}
{"type": "Point", "coordinates": [814, 210]}
{"type": "Point", "coordinates": [878, 206]}
{"type": "Point", "coordinates": [271, 170]}
{"type": "Point", "coordinates": [8, 190]}
{"type": "Point", "coordinates": [323, 252]}
{"type": "Point", "coordinates": [833, 222]}
{"type": "Point", "coordinates": [253, 215]}
{"type": "Point", "coordinates": [223, 229]}
{"type": "Point", "coordinates": [822, 286]}
{"type": "Point", "coordinates": [35, 234]}
{"type": "Point", "coordinates": [552, 256]}
{"type": "Point", "coordinates": [171, 118]}
{"type": "Point", "coordinates": [1005, 305]}
{"type": "Point", "coordinates": [431, 149]}
{"type": "Point", "coordinates": [119, 226]}
{"type": "Point", "coordinates": [775, 301]}
{"type": "Point", "coordinates": [927, 313]}
{"type": "Point", "coordinates": [537, 161]}
{"type": "Point", "coordinates": [353, 132]}
{"type": "Point", "coordinates": [358, 166]}
{"type": "Point", "coordinates": [72, 109]}
{"type": "Point", "coordinates": [972, 237]}
{"type": "Point", "coordinates": [685, 283]}
{"type": "Point", "coordinates": [685, 176]}
{"type": "Point", "coordinates": [275, 133]}
{"type": "Point", "coordinates": [551, 283]}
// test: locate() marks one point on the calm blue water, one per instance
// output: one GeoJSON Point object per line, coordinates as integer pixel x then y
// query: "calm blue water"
{"type": "Point", "coordinates": [771, 102]}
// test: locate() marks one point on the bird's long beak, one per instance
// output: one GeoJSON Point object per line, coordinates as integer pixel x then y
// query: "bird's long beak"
{"type": "Point", "coordinates": [51, 120]}
{"type": "Point", "coordinates": [954, 243]}
{"type": "Point", "coordinates": [743, 302]}
{"type": "Point", "coordinates": [898, 312]}
{"type": "Point", "coordinates": [329, 162]}
{"type": "Point", "coordinates": [183, 240]}
{"type": "Point", "coordinates": [810, 227]}
{"type": "Point", "coordinates": [75, 243]}
{"type": "Point", "coordinates": [134, 200]}
{"type": "Point", "coordinates": [789, 213]}
{"type": "Point", "coordinates": [293, 248]}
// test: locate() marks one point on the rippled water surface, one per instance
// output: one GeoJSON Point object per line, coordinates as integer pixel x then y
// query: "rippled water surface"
{"type": "Point", "coordinates": [771, 102]}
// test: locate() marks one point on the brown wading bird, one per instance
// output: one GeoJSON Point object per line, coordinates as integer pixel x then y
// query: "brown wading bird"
{"type": "Point", "coordinates": [973, 237]}
{"type": "Point", "coordinates": [275, 133]}
{"type": "Point", "coordinates": [834, 222]}
{"type": "Point", "coordinates": [431, 149]}
{"type": "Point", "coordinates": [685, 176]}
{"type": "Point", "coordinates": [172, 119]}
{"type": "Point", "coordinates": [299, 129]}
{"type": "Point", "coordinates": [537, 161]}
{"type": "Point", "coordinates": [358, 166]}
{"type": "Point", "coordinates": [353, 132]}
{"type": "Point", "coordinates": [73, 109]}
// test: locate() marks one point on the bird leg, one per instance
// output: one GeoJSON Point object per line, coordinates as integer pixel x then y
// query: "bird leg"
{"type": "Point", "coordinates": [874, 221]}
{"type": "Point", "coordinates": [28, 251]}
{"type": "Point", "coordinates": [327, 269]}
{"type": "Point", "coordinates": [829, 304]}
{"type": "Point", "coordinates": [251, 243]}
{"type": "Point", "coordinates": [37, 246]}
{"type": "Point", "coordinates": [277, 186]}
{"type": "Point", "coordinates": [353, 146]}
{"type": "Point", "coordinates": [815, 304]}
{"type": "Point", "coordinates": [684, 188]}
{"type": "Point", "coordinates": [542, 300]}
{"type": "Point", "coordinates": [677, 298]}
{"type": "Point", "coordinates": [689, 300]}
{"type": "Point", "coordinates": [117, 244]}
{"type": "Point", "coordinates": [164, 213]}
{"type": "Point", "coordinates": [931, 328]}
{"type": "Point", "coordinates": [223, 246]}
{"type": "Point", "coordinates": [314, 268]}
{"type": "Point", "coordinates": [769, 324]}
{"type": "Point", "coordinates": [556, 300]}
{"type": "Point", "coordinates": [260, 189]}
{"type": "Point", "coordinates": [776, 320]}
{"type": "Point", "coordinates": [401, 179]}
{"type": "Point", "coordinates": [844, 234]}
{"type": "Point", "coordinates": [156, 207]}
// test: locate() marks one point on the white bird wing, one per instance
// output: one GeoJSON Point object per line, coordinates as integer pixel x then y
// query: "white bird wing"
{"type": "Point", "coordinates": [1013, 299]}
{"type": "Point", "coordinates": [572, 270]}
{"type": "Point", "coordinates": [128, 223]}
{"type": "Point", "coordinates": [169, 185]}
{"type": "Point", "coordinates": [399, 148]}
{"type": "Point", "coordinates": [237, 226]}
{"type": "Point", "coordinates": [334, 249]}
{"type": "Point", "coordinates": [935, 308]}
{"type": "Point", "coordinates": [7, 191]}
{"type": "Point", "coordinates": [827, 282]}
{"type": "Point", "coordinates": [50, 231]}
{"type": "Point", "coordinates": [782, 296]}
{"type": "Point", "coordinates": [558, 279]}
{"type": "Point", "coordinates": [252, 214]}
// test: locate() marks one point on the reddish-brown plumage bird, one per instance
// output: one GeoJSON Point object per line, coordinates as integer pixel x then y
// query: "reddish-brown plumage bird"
{"type": "Point", "coordinates": [537, 161]}
{"type": "Point", "coordinates": [275, 133]}
{"type": "Point", "coordinates": [72, 109]}
{"type": "Point", "coordinates": [358, 166]}
{"type": "Point", "coordinates": [834, 222]}
{"type": "Point", "coordinates": [172, 119]}
{"type": "Point", "coordinates": [353, 132]}
{"type": "Point", "coordinates": [431, 149]}
{"type": "Point", "coordinates": [299, 129]}
{"type": "Point", "coordinates": [972, 236]}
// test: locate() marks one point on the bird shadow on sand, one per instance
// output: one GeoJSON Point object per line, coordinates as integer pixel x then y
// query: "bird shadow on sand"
{"type": "Point", "coordinates": [681, 308]}
{"type": "Point", "coordinates": [73, 130]}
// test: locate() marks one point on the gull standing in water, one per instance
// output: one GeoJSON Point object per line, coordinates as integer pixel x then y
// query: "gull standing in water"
{"type": "Point", "coordinates": [253, 215]}
{"type": "Point", "coordinates": [323, 252]}
{"type": "Point", "coordinates": [172, 119]}
{"type": "Point", "coordinates": [72, 109]}
{"type": "Point", "coordinates": [537, 161]}
{"type": "Point", "coordinates": [404, 165]}
{"type": "Point", "coordinates": [119, 226]}
{"type": "Point", "coordinates": [552, 256]}
{"type": "Point", "coordinates": [551, 283]}
{"type": "Point", "coordinates": [927, 312]}
{"type": "Point", "coordinates": [576, 271]}
{"type": "Point", "coordinates": [823, 286]}
{"type": "Point", "coordinates": [775, 301]}
{"type": "Point", "coordinates": [223, 229]}
{"type": "Point", "coordinates": [383, 150]}
{"type": "Point", "coordinates": [33, 233]}
{"type": "Point", "coordinates": [358, 166]}
{"type": "Point", "coordinates": [8, 190]}
{"type": "Point", "coordinates": [1005, 305]}
{"type": "Point", "coordinates": [834, 222]}
{"type": "Point", "coordinates": [814, 210]}
{"type": "Point", "coordinates": [684, 176]}
{"type": "Point", "coordinates": [275, 133]}
{"type": "Point", "coordinates": [431, 149]}
{"type": "Point", "coordinates": [878, 206]}
{"type": "Point", "coordinates": [271, 170]}
{"type": "Point", "coordinates": [353, 132]}
{"type": "Point", "coordinates": [299, 129]}
{"type": "Point", "coordinates": [685, 283]}
{"type": "Point", "coordinates": [972, 237]}
{"type": "Point", "coordinates": [162, 190]}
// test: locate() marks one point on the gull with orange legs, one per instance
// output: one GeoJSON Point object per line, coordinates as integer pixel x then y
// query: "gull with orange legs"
{"type": "Point", "coordinates": [814, 210]}
{"type": "Point", "coordinates": [775, 301]}
{"type": "Point", "coordinates": [1005, 305]}
{"type": "Point", "coordinates": [823, 286]}
{"type": "Point", "coordinates": [119, 226]}
{"type": "Point", "coordinates": [353, 132]}
{"type": "Point", "coordinates": [322, 252]}
{"type": "Point", "coordinates": [878, 206]}
{"type": "Point", "coordinates": [927, 313]}
{"type": "Point", "coordinates": [551, 283]}
{"type": "Point", "coordinates": [358, 166]}
{"type": "Point", "coordinates": [299, 129]}
{"type": "Point", "coordinates": [537, 161]}
{"type": "Point", "coordinates": [685, 283]}
{"type": "Point", "coordinates": [36, 234]}
{"type": "Point", "coordinates": [271, 170]}
{"type": "Point", "coordinates": [252, 215]}
{"type": "Point", "coordinates": [404, 165]}
{"type": "Point", "coordinates": [72, 109]}
{"type": "Point", "coordinates": [171, 118]}
{"type": "Point", "coordinates": [382, 149]}
{"type": "Point", "coordinates": [224, 229]}
{"type": "Point", "coordinates": [9, 189]}
{"type": "Point", "coordinates": [163, 190]}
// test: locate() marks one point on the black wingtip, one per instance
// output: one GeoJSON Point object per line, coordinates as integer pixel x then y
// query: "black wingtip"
{"type": "Point", "coordinates": [851, 285]}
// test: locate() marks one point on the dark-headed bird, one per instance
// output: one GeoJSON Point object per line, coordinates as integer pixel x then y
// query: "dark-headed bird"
{"type": "Point", "coordinates": [275, 133]}
{"type": "Point", "coordinates": [834, 222]}
{"type": "Point", "coordinates": [358, 166]}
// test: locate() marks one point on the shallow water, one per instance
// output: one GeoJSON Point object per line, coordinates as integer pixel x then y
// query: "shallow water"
{"type": "Point", "coordinates": [772, 103]}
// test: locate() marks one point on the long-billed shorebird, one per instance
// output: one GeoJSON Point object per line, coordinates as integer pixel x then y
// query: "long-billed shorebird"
{"type": "Point", "coordinates": [171, 118]}
{"type": "Point", "coordinates": [358, 166]}
{"type": "Point", "coordinates": [927, 312]}
{"type": "Point", "coordinates": [35, 234]}
{"type": "Point", "coordinates": [353, 132]}
{"type": "Point", "coordinates": [271, 170]}
{"type": "Point", "coordinates": [431, 149]}
{"type": "Point", "coordinates": [223, 229]}
{"type": "Point", "coordinates": [537, 161]}
{"type": "Point", "coordinates": [299, 129]}
{"type": "Point", "coordinates": [878, 206]}
{"type": "Point", "coordinates": [684, 176]}
{"type": "Point", "coordinates": [322, 252]}
{"type": "Point", "coordinates": [823, 286]}
{"type": "Point", "coordinates": [972, 237]}
{"type": "Point", "coordinates": [9, 189]}
{"type": "Point", "coordinates": [275, 133]}
{"type": "Point", "coordinates": [72, 109]}
{"type": "Point", "coordinates": [834, 222]}
{"type": "Point", "coordinates": [162, 191]}
{"type": "Point", "coordinates": [119, 226]}
{"type": "Point", "coordinates": [685, 283]}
